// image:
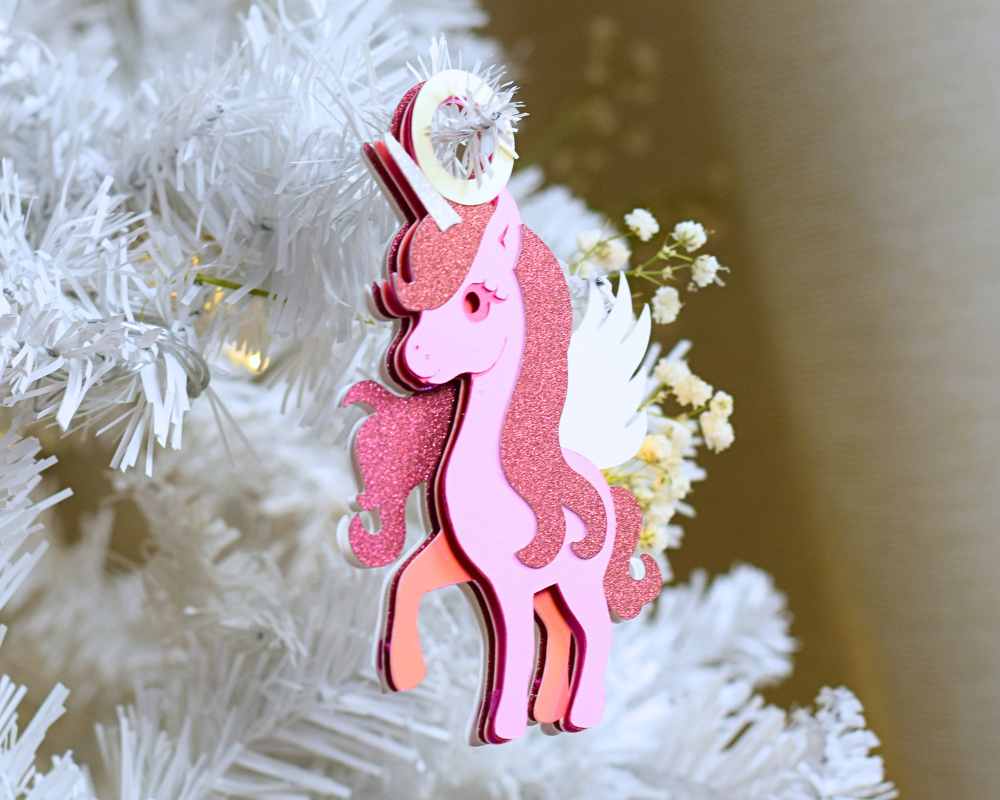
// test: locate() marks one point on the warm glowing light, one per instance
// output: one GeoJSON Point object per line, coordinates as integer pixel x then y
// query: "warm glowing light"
{"type": "Point", "coordinates": [254, 362]}
{"type": "Point", "coordinates": [215, 299]}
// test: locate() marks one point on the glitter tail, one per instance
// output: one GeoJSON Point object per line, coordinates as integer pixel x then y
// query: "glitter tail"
{"type": "Point", "coordinates": [627, 596]}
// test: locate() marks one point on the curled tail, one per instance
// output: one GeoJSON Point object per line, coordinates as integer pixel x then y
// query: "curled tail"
{"type": "Point", "coordinates": [397, 448]}
{"type": "Point", "coordinates": [627, 596]}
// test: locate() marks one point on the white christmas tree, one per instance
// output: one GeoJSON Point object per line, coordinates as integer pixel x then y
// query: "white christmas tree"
{"type": "Point", "coordinates": [204, 203]}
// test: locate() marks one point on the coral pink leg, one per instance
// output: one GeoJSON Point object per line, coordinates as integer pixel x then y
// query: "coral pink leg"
{"type": "Point", "coordinates": [433, 567]}
{"type": "Point", "coordinates": [552, 697]}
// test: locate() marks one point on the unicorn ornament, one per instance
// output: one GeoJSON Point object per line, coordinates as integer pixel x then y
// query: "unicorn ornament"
{"type": "Point", "coordinates": [506, 418]}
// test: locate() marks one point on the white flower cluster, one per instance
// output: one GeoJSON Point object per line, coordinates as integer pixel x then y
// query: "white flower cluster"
{"type": "Point", "coordinates": [705, 270]}
{"type": "Point", "coordinates": [715, 425]}
{"type": "Point", "coordinates": [642, 224]}
{"type": "Point", "coordinates": [659, 477]}
{"type": "Point", "coordinates": [600, 253]}
{"type": "Point", "coordinates": [661, 473]}
{"type": "Point", "coordinates": [674, 374]}
{"type": "Point", "coordinates": [666, 305]}
{"type": "Point", "coordinates": [689, 235]}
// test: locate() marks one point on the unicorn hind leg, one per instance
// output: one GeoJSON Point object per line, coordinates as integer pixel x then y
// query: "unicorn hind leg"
{"type": "Point", "coordinates": [550, 698]}
{"type": "Point", "coordinates": [400, 659]}
{"type": "Point", "coordinates": [592, 628]}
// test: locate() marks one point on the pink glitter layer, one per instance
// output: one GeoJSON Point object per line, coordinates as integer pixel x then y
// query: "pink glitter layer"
{"type": "Point", "coordinates": [397, 448]}
{"type": "Point", "coordinates": [532, 456]}
{"type": "Point", "coordinates": [396, 128]}
{"type": "Point", "coordinates": [626, 596]}
{"type": "Point", "coordinates": [437, 262]}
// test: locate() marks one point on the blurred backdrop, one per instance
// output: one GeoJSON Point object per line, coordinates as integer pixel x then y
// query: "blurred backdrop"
{"type": "Point", "coordinates": [846, 155]}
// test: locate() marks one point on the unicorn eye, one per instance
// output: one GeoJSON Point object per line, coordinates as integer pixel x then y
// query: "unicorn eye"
{"type": "Point", "coordinates": [476, 306]}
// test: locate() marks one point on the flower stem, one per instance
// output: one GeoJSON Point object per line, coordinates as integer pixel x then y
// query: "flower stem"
{"type": "Point", "coordinates": [653, 397]}
{"type": "Point", "coordinates": [576, 264]}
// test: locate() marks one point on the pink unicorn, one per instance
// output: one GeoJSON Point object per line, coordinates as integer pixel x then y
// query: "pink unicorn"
{"type": "Point", "coordinates": [530, 528]}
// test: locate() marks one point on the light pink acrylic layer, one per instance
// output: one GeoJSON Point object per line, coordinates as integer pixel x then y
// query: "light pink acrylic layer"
{"type": "Point", "coordinates": [489, 520]}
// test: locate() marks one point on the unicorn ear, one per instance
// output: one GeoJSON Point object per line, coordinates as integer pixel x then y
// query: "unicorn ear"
{"type": "Point", "coordinates": [433, 201]}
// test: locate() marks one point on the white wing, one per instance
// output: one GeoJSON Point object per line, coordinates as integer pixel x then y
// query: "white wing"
{"type": "Point", "coordinates": [599, 420]}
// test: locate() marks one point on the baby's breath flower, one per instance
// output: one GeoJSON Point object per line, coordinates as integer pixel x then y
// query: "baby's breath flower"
{"type": "Point", "coordinates": [675, 485]}
{"type": "Point", "coordinates": [600, 255]}
{"type": "Point", "coordinates": [668, 455]}
{"type": "Point", "coordinates": [616, 255]}
{"type": "Point", "coordinates": [588, 240]}
{"type": "Point", "coordinates": [654, 539]}
{"type": "Point", "coordinates": [666, 305]}
{"type": "Point", "coordinates": [717, 430]}
{"type": "Point", "coordinates": [661, 473]}
{"type": "Point", "coordinates": [679, 434]}
{"type": "Point", "coordinates": [586, 268]}
{"type": "Point", "coordinates": [690, 235]}
{"type": "Point", "coordinates": [722, 405]}
{"type": "Point", "coordinates": [659, 513]}
{"type": "Point", "coordinates": [671, 372]}
{"type": "Point", "coordinates": [692, 391]}
{"type": "Point", "coordinates": [642, 224]}
{"type": "Point", "coordinates": [641, 488]}
{"type": "Point", "coordinates": [655, 448]}
{"type": "Point", "coordinates": [705, 270]}
{"type": "Point", "coordinates": [673, 459]}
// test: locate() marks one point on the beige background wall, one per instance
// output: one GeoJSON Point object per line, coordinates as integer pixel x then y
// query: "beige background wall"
{"type": "Point", "coordinates": [848, 154]}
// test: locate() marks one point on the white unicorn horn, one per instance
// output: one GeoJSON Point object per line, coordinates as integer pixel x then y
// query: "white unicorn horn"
{"type": "Point", "coordinates": [440, 209]}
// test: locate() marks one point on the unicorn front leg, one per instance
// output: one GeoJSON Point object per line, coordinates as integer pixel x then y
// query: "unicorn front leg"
{"type": "Point", "coordinates": [515, 649]}
{"type": "Point", "coordinates": [400, 658]}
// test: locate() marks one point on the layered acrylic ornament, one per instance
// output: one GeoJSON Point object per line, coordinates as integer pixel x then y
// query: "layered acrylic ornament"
{"type": "Point", "coordinates": [505, 417]}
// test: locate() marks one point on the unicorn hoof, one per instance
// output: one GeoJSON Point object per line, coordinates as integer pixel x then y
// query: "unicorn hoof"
{"type": "Point", "coordinates": [582, 716]}
{"type": "Point", "coordinates": [404, 673]}
{"type": "Point", "coordinates": [505, 730]}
